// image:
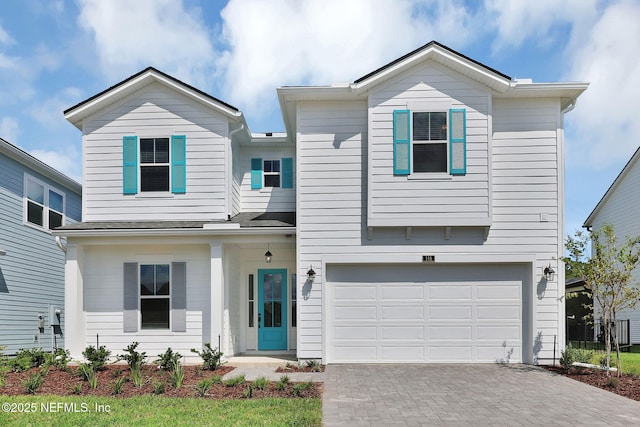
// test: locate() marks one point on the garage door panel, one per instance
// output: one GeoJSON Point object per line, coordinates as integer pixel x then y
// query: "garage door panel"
{"type": "Point", "coordinates": [402, 313]}
{"type": "Point", "coordinates": [399, 292]}
{"type": "Point", "coordinates": [450, 292]}
{"type": "Point", "coordinates": [450, 312]}
{"type": "Point", "coordinates": [411, 313]}
{"type": "Point", "coordinates": [448, 332]}
{"type": "Point", "coordinates": [402, 333]}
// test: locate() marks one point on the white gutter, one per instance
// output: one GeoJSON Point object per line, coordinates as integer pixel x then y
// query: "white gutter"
{"type": "Point", "coordinates": [229, 166]}
{"type": "Point", "coordinates": [255, 231]}
{"type": "Point", "coordinates": [570, 106]}
{"type": "Point", "coordinates": [61, 245]}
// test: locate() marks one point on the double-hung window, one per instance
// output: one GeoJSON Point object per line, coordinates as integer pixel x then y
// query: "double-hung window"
{"type": "Point", "coordinates": [154, 164]}
{"type": "Point", "coordinates": [155, 296]}
{"type": "Point", "coordinates": [271, 171]}
{"type": "Point", "coordinates": [429, 142]}
{"type": "Point", "coordinates": [44, 205]}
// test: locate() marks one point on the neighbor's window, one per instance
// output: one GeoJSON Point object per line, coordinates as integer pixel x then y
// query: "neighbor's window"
{"type": "Point", "coordinates": [44, 205]}
{"type": "Point", "coordinates": [429, 141]}
{"type": "Point", "coordinates": [271, 170]}
{"type": "Point", "coordinates": [154, 296]}
{"type": "Point", "coordinates": [154, 164]}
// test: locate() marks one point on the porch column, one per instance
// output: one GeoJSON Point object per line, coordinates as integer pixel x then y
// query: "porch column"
{"type": "Point", "coordinates": [74, 328]}
{"type": "Point", "coordinates": [217, 295]}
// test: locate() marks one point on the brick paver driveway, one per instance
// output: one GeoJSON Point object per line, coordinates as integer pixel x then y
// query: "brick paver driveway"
{"type": "Point", "coordinates": [462, 395]}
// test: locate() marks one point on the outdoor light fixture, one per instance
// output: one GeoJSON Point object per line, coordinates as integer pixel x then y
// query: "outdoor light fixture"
{"type": "Point", "coordinates": [2, 252]}
{"type": "Point", "coordinates": [549, 272]}
{"type": "Point", "coordinates": [268, 255]}
{"type": "Point", "coordinates": [311, 274]}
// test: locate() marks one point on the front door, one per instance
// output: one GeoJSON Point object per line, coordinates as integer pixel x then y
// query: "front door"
{"type": "Point", "coordinates": [272, 309]}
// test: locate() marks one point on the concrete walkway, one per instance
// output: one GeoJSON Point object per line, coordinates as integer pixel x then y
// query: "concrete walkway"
{"type": "Point", "coordinates": [253, 367]}
{"type": "Point", "coordinates": [467, 395]}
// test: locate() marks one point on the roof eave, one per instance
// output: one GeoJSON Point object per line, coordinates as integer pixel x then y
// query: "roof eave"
{"type": "Point", "coordinates": [123, 232]}
{"type": "Point", "coordinates": [84, 109]}
{"type": "Point", "coordinates": [616, 182]}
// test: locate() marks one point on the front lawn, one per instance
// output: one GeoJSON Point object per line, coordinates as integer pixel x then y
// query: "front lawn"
{"type": "Point", "coordinates": [630, 362]}
{"type": "Point", "coordinates": [157, 410]}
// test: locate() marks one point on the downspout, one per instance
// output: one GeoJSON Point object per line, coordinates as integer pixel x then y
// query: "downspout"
{"type": "Point", "coordinates": [61, 245]}
{"type": "Point", "coordinates": [230, 169]}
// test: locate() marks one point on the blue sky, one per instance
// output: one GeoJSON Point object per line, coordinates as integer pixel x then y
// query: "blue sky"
{"type": "Point", "coordinates": [55, 53]}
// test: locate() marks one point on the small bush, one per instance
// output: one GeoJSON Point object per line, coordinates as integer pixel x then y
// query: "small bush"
{"type": "Point", "coordinates": [20, 364]}
{"type": "Point", "coordinates": [77, 388]}
{"type": "Point", "coordinates": [216, 379]}
{"type": "Point", "coordinates": [118, 384]}
{"type": "Point", "coordinates": [177, 375]}
{"type": "Point", "coordinates": [210, 357]}
{"type": "Point", "coordinates": [202, 387]}
{"type": "Point", "coordinates": [300, 387]}
{"type": "Point", "coordinates": [33, 383]}
{"type": "Point", "coordinates": [137, 377]}
{"type": "Point", "coordinates": [261, 383]}
{"type": "Point", "coordinates": [314, 365]}
{"type": "Point", "coordinates": [282, 384]}
{"type": "Point", "coordinates": [134, 358]}
{"type": "Point", "coordinates": [612, 382]}
{"type": "Point", "coordinates": [168, 360]}
{"type": "Point", "coordinates": [28, 358]}
{"type": "Point", "coordinates": [59, 358]}
{"type": "Point", "coordinates": [97, 358]}
{"type": "Point", "coordinates": [570, 355]}
{"type": "Point", "coordinates": [89, 374]}
{"type": "Point", "coordinates": [3, 379]}
{"type": "Point", "coordinates": [158, 387]}
{"type": "Point", "coordinates": [248, 392]}
{"type": "Point", "coordinates": [234, 381]}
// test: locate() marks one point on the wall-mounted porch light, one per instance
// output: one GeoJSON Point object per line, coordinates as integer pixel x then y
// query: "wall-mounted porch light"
{"type": "Point", "coordinates": [311, 275]}
{"type": "Point", "coordinates": [549, 272]}
{"type": "Point", "coordinates": [268, 255]}
{"type": "Point", "coordinates": [2, 252]}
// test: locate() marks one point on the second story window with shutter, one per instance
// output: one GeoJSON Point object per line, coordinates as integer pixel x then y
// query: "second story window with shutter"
{"type": "Point", "coordinates": [154, 164]}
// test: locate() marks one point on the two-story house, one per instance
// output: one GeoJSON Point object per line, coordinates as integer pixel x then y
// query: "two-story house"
{"type": "Point", "coordinates": [414, 215]}
{"type": "Point", "coordinates": [34, 199]}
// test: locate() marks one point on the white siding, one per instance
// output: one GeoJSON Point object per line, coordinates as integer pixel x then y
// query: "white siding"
{"type": "Point", "coordinates": [158, 112]}
{"type": "Point", "coordinates": [266, 199]}
{"type": "Point", "coordinates": [103, 297]}
{"type": "Point", "coordinates": [420, 199]}
{"type": "Point", "coordinates": [332, 194]}
{"type": "Point", "coordinates": [621, 210]}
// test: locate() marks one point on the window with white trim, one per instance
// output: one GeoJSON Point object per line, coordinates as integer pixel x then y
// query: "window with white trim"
{"type": "Point", "coordinates": [154, 164]}
{"type": "Point", "coordinates": [155, 296]}
{"type": "Point", "coordinates": [271, 171]}
{"type": "Point", "coordinates": [429, 141]}
{"type": "Point", "coordinates": [43, 204]}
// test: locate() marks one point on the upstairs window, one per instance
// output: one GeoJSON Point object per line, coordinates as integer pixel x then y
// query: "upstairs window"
{"type": "Point", "coordinates": [154, 164]}
{"type": "Point", "coordinates": [271, 173]}
{"type": "Point", "coordinates": [429, 142]}
{"type": "Point", "coordinates": [44, 205]}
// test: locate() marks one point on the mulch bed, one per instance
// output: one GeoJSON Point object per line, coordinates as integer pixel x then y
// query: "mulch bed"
{"type": "Point", "coordinates": [62, 383]}
{"type": "Point", "coordinates": [290, 367]}
{"type": "Point", "coordinates": [624, 385]}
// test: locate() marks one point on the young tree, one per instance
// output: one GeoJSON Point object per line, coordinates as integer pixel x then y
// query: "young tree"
{"type": "Point", "coordinates": [607, 274]}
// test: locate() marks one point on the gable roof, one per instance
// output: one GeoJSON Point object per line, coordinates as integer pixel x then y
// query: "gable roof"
{"type": "Point", "coordinates": [444, 55]}
{"type": "Point", "coordinates": [39, 166]}
{"type": "Point", "coordinates": [149, 75]}
{"type": "Point", "coordinates": [612, 188]}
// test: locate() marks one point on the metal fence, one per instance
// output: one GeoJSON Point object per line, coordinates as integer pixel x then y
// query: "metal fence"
{"type": "Point", "coordinates": [591, 334]}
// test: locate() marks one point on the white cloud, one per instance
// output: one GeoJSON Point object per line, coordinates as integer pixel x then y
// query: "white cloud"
{"type": "Point", "coordinates": [284, 42]}
{"type": "Point", "coordinates": [66, 160]}
{"type": "Point", "coordinates": [9, 129]}
{"type": "Point", "coordinates": [538, 22]}
{"type": "Point", "coordinates": [605, 119]}
{"type": "Point", "coordinates": [131, 35]}
{"type": "Point", "coordinates": [49, 111]}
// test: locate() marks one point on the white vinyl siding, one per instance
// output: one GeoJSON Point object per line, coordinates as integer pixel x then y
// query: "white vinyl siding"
{"type": "Point", "coordinates": [621, 210]}
{"type": "Point", "coordinates": [265, 199]}
{"type": "Point", "coordinates": [420, 199]}
{"type": "Point", "coordinates": [152, 112]}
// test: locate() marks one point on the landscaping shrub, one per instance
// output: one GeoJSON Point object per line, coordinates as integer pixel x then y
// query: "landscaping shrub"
{"type": "Point", "coordinates": [97, 357]}
{"type": "Point", "coordinates": [203, 386]}
{"type": "Point", "coordinates": [88, 373]}
{"type": "Point", "coordinates": [118, 384]}
{"type": "Point", "coordinates": [28, 358]}
{"type": "Point", "coordinates": [238, 379]}
{"type": "Point", "coordinates": [168, 360]}
{"type": "Point", "coordinates": [300, 387]}
{"type": "Point", "coordinates": [134, 358]}
{"type": "Point", "coordinates": [59, 358]}
{"type": "Point", "coordinates": [210, 357]}
{"type": "Point", "coordinates": [570, 355]}
{"type": "Point", "coordinates": [158, 387]}
{"type": "Point", "coordinates": [261, 383]}
{"type": "Point", "coordinates": [177, 375]}
{"type": "Point", "coordinates": [33, 383]}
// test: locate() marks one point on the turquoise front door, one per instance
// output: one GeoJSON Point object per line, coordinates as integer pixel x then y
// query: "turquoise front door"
{"type": "Point", "coordinates": [272, 309]}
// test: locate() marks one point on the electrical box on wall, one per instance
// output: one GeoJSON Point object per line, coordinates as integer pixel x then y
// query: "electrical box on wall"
{"type": "Point", "coordinates": [54, 315]}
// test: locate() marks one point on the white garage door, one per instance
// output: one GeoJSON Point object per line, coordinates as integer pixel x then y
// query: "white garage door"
{"type": "Point", "coordinates": [424, 313]}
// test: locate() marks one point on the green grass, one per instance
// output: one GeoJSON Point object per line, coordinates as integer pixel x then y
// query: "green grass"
{"type": "Point", "coordinates": [157, 410]}
{"type": "Point", "coordinates": [630, 362]}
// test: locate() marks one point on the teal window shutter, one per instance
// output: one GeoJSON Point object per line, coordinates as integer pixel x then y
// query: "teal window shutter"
{"type": "Point", "coordinates": [130, 165]}
{"type": "Point", "coordinates": [457, 141]}
{"type": "Point", "coordinates": [287, 172]}
{"type": "Point", "coordinates": [401, 143]}
{"type": "Point", "coordinates": [179, 164]}
{"type": "Point", "coordinates": [256, 174]}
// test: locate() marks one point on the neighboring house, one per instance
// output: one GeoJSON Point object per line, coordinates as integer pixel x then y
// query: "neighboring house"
{"type": "Point", "coordinates": [620, 207]}
{"type": "Point", "coordinates": [34, 198]}
{"type": "Point", "coordinates": [406, 217]}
